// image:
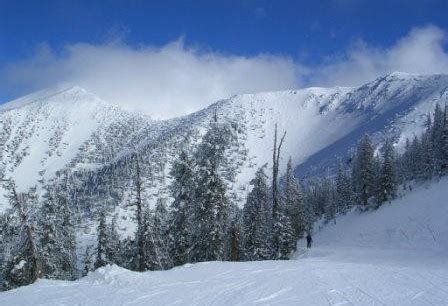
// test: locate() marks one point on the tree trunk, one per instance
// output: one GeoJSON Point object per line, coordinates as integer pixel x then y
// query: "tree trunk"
{"type": "Point", "coordinates": [140, 220]}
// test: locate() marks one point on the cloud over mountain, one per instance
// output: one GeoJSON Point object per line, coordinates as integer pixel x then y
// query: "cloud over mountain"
{"type": "Point", "coordinates": [176, 79]}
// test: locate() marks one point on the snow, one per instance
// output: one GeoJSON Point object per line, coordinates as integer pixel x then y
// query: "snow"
{"type": "Point", "coordinates": [396, 255]}
{"type": "Point", "coordinates": [58, 128]}
{"type": "Point", "coordinates": [20, 265]}
{"type": "Point", "coordinates": [45, 131]}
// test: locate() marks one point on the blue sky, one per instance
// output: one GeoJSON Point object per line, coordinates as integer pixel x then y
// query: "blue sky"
{"type": "Point", "coordinates": [311, 29]}
{"type": "Point", "coordinates": [38, 38]}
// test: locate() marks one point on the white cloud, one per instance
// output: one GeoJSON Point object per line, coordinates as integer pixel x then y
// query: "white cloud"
{"type": "Point", "coordinates": [174, 80]}
{"type": "Point", "coordinates": [163, 82]}
{"type": "Point", "coordinates": [421, 51]}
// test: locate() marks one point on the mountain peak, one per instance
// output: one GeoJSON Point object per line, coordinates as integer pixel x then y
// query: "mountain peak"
{"type": "Point", "coordinates": [69, 96]}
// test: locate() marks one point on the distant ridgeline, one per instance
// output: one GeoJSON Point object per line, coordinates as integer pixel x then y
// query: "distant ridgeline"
{"type": "Point", "coordinates": [38, 233]}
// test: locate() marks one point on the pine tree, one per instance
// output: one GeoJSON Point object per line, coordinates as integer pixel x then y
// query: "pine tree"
{"type": "Point", "coordinates": [235, 240]}
{"type": "Point", "coordinates": [156, 235]}
{"type": "Point", "coordinates": [138, 204]}
{"type": "Point", "coordinates": [211, 203]}
{"type": "Point", "coordinates": [294, 204]}
{"type": "Point", "coordinates": [363, 170]}
{"type": "Point", "coordinates": [415, 159]}
{"type": "Point", "coordinates": [388, 177]}
{"type": "Point", "coordinates": [57, 236]}
{"type": "Point", "coordinates": [87, 261]}
{"type": "Point", "coordinates": [425, 165]}
{"type": "Point", "coordinates": [114, 249]}
{"type": "Point", "coordinates": [102, 243]}
{"type": "Point", "coordinates": [287, 240]}
{"type": "Point", "coordinates": [344, 192]}
{"type": "Point", "coordinates": [182, 191]}
{"type": "Point", "coordinates": [256, 228]}
{"type": "Point", "coordinates": [24, 266]}
{"type": "Point", "coordinates": [444, 144]}
{"type": "Point", "coordinates": [437, 132]}
{"type": "Point", "coordinates": [330, 206]}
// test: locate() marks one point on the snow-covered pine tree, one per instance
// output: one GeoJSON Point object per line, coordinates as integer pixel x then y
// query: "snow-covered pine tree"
{"type": "Point", "coordinates": [344, 191]}
{"type": "Point", "coordinates": [114, 249]}
{"type": "Point", "coordinates": [376, 187]}
{"type": "Point", "coordinates": [137, 203]}
{"type": "Point", "coordinates": [235, 239]}
{"type": "Point", "coordinates": [388, 176]}
{"type": "Point", "coordinates": [415, 158]}
{"type": "Point", "coordinates": [294, 203]}
{"type": "Point", "coordinates": [257, 244]}
{"type": "Point", "coordinates": [211, 203]}
{"type": "Point", "coordinates": [24, 265]}
{"type": "Point", "coordinates": [157, 241]}
{"type": "Point", "coordinates": [286, 236]}
{"type": "Point", "coordinates": [403, 163]}
{"type": "Point", "coordinates": [102, 242]}
{"type": "Point", "coordinates": [310, 215]}
{"type": "Point", "coordinates": [437, 132]}
{"type": "Point", "coordinates": [363, 170]}
{"type": "Point", "coordinates": [425, 165]}
{"type": "Point", "coordinates": [182, 190]}
{"type": "Point", "coordinates": [444, 144]}
{"type": "Point", "coordinates": [57, 235]}
{"type": "Point", "coordinates": [329, 198]}
{"type": "Point", "coordinates": [87, 261]}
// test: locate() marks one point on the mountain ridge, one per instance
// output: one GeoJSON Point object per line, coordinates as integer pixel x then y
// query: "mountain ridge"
{"type": "Point", "coordinates": [322, 124]}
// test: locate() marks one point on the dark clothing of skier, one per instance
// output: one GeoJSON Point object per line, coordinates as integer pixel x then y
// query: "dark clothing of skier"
{"type": "Point", "coordinates": [309, 240]}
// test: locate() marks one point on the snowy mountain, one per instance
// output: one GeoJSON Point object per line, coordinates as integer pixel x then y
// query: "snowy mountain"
{"type": "Point", "coordinates": [72, 129]}
{"type": "Point", "coordinates": [52, 129]}
{"type": "Point", "coordinates": [393, 256]}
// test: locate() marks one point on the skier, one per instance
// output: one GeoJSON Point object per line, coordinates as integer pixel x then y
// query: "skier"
{"type": "Point", "coordinates": [309, 240]}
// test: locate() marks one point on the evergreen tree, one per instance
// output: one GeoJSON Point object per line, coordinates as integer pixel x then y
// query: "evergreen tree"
{"type": "Point", "coordinates": [425, 165]}
{"type": "Point", "coordinates": [294, 204]}
{"type": "Point", "coordinates": [256, 228]}
{"type": "Point", "coordinates": [57, 236]}
{"type": "Point", "coordinates": [87, 261]}
{"type": "Point", "coordinates": [388, 178]}
{"type": "Point", "coordinates": [156, 236]}
{"type": "Point", "coordinates": [235, 240]}
{"type": "Point", "coordinates": [416, 157]}
{"type": "Point", "coordinates": [114, 249]}
{"type": "Point", "coordinates": [344, 192]}
{"type": "Point", "coordinates": [211, 203]}
{"type": "Point", "coordinates": [331, 208]}
{"type": "Point", "coordinates": [24, 265]}
{"type": "Point", "coordinates": [364, 171]}
{"type": "Point", "coordinates": [138, 204]}
{"type": "Point", "coordinates": [437, 135]}
{"type": "Point", "coordinates": [182, 191]}
{"type": "Point", "coordinates": [286, 240]}
{"type": "Point", "coordinates": [102, 243]}
{"type": "Point", "coordinates": [444, 144]}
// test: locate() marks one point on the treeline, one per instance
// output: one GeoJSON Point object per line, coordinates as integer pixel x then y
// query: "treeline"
{"type": "Point", "coordinates": [202, 223]}
{"type": "Point", "coordinates": [369, 179]}
{"type": "Point", "coordinates": [37, 235]}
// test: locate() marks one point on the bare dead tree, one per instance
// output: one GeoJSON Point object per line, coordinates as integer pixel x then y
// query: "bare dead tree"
{"type": "Point", "coordinates": [275, 166]}
{"type": "Point", "coordinates": [139, 215]}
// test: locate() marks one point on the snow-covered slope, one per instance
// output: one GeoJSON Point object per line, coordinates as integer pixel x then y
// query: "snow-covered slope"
{"type": "Point", "coordinates": [396, 255]}
{"type": "Point", "coordinates": [73, 129]}
{"type": "Point", "coordinates": [52, 129]}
